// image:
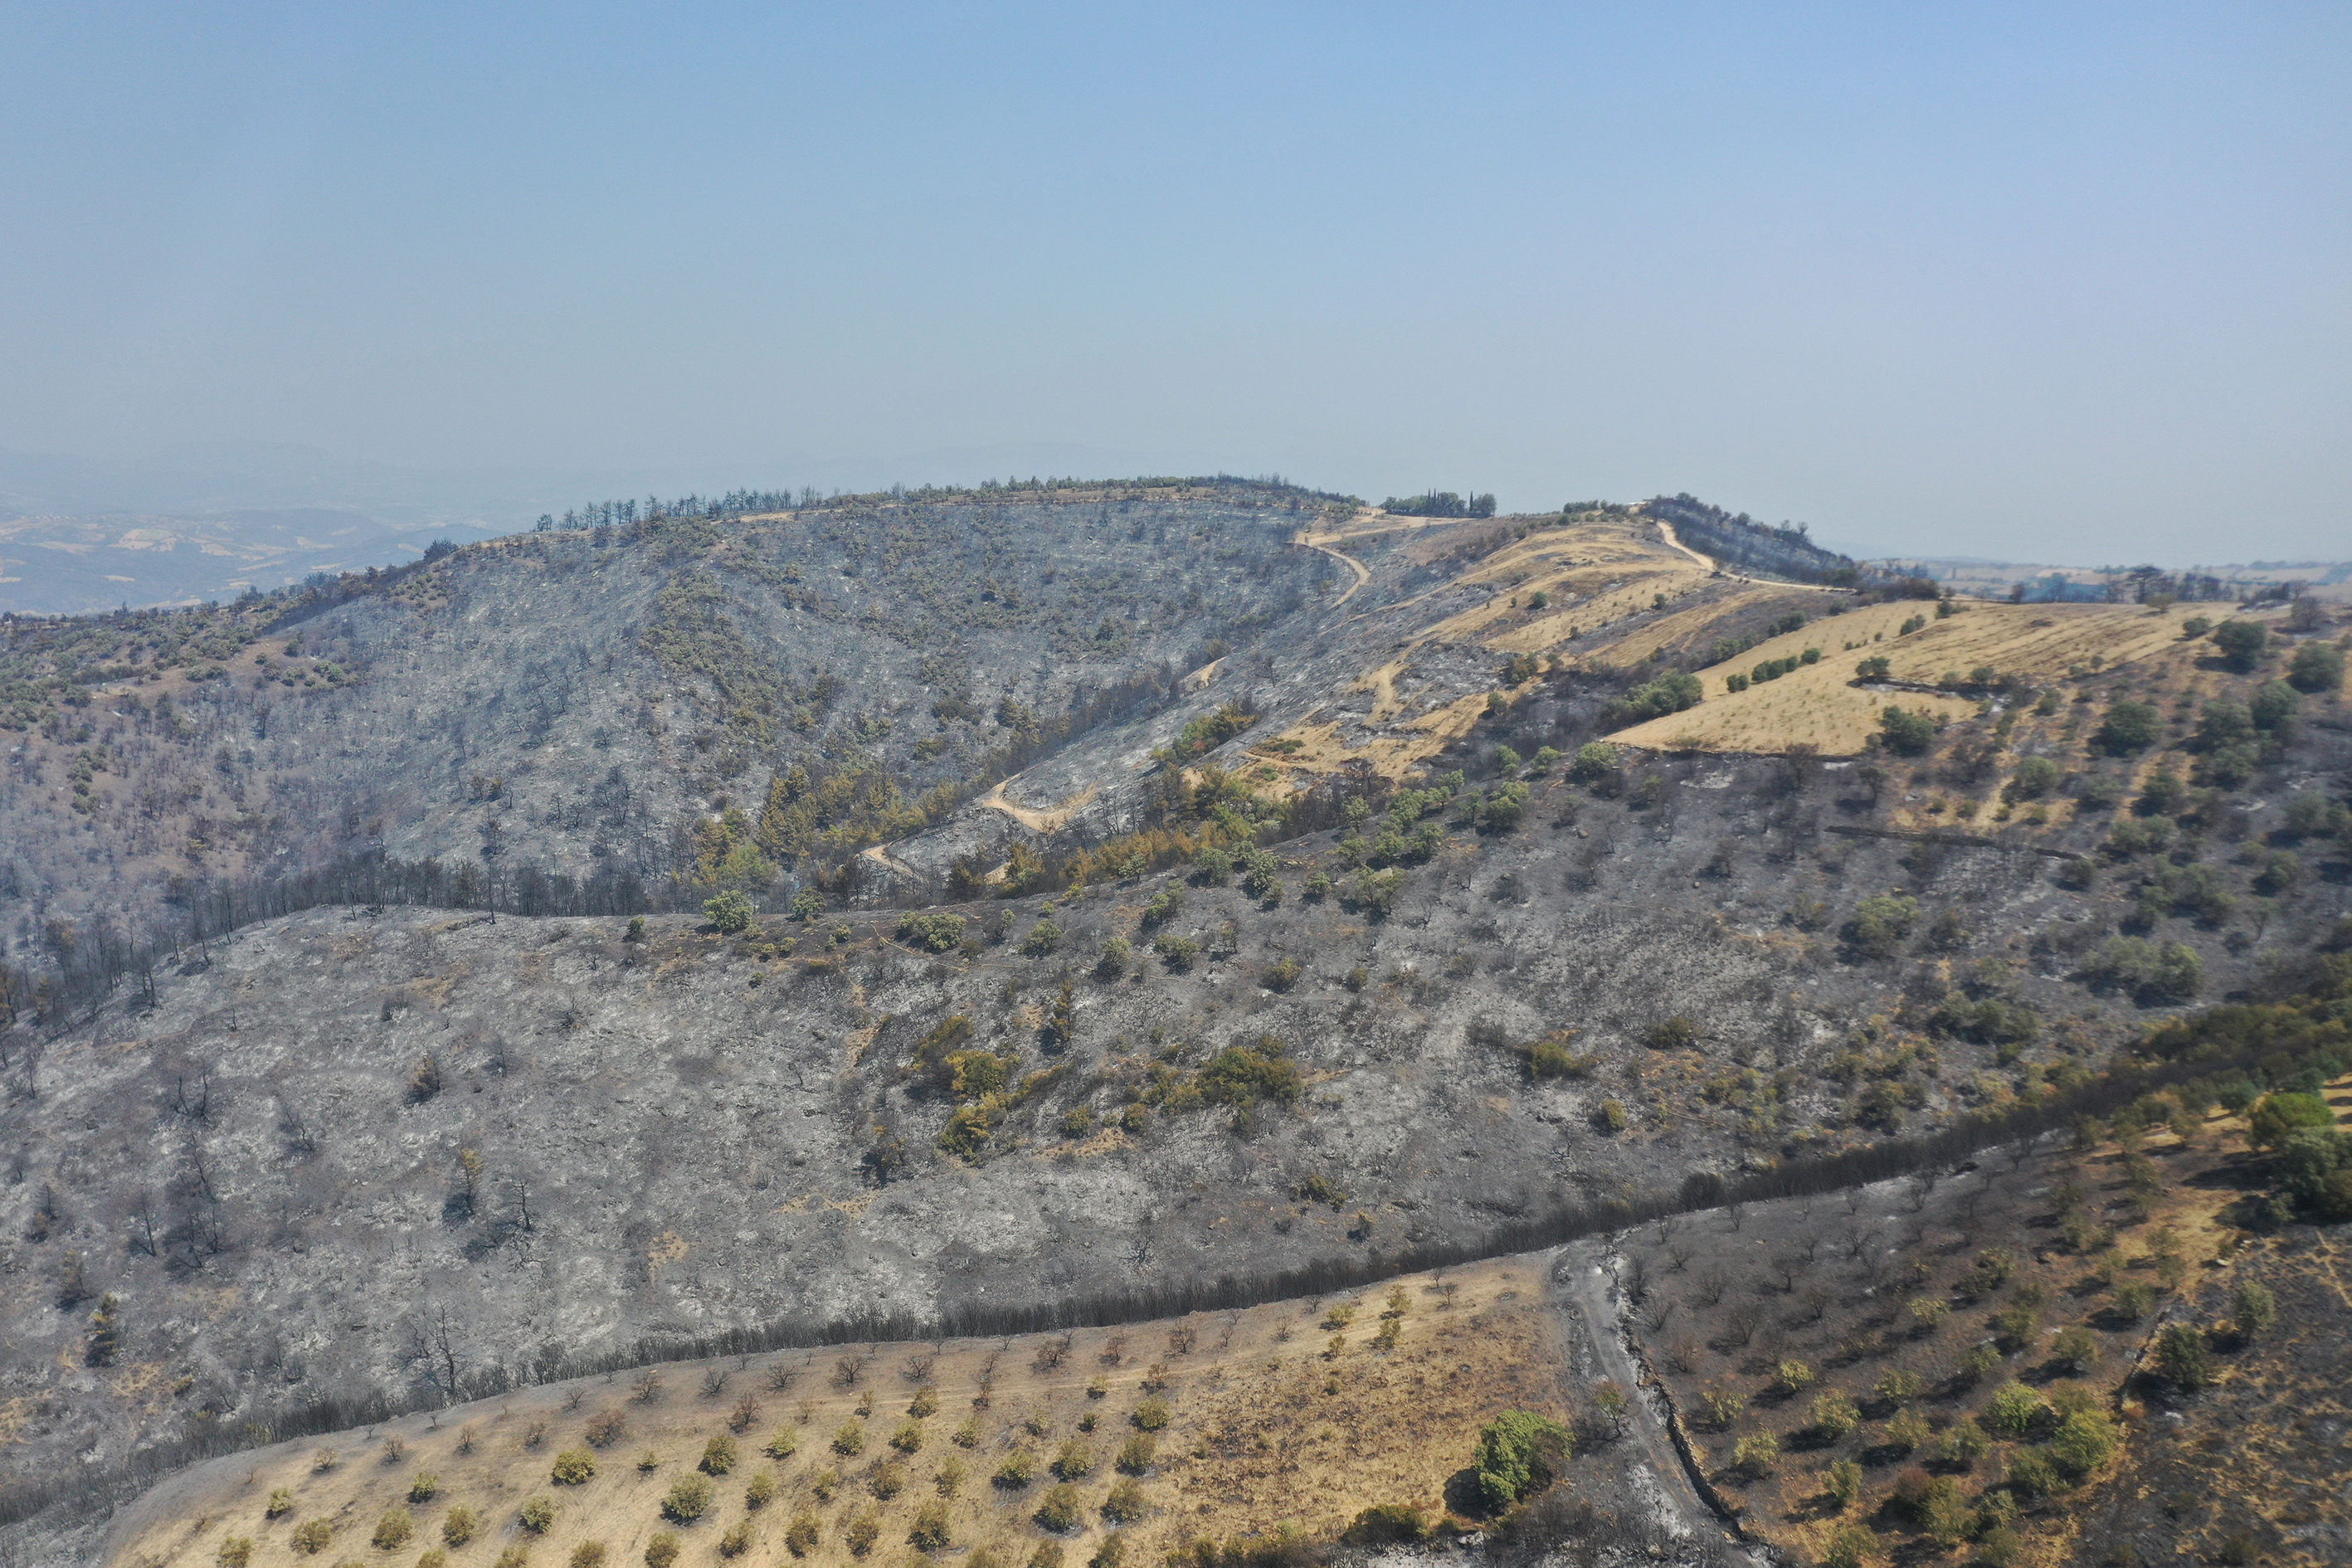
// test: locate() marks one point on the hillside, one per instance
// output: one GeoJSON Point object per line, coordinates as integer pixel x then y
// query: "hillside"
{"type": "Point", "coordinates": [1149, 886]}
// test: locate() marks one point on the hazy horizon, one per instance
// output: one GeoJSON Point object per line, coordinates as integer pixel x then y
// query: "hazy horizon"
{"type": "Point", "coordinates": [2051, 287]}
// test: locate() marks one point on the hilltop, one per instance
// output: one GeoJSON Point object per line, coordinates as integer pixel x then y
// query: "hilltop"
{"type": "Point", "coordinates": [1143, 885]}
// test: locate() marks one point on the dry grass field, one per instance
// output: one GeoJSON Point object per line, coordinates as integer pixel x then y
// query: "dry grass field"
{"type": "Point", "coordinates": [1293, 1416]}
{"type": "Point", "coordinates": [1818, 705]}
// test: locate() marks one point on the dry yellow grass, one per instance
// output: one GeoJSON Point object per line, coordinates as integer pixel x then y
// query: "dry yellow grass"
{"type": "Point", "coordinates": [1816, 704]}
{"type": "Point", "coordinates": [1268, 1425]}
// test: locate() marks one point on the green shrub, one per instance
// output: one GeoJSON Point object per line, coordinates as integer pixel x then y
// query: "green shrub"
{"type": "Point", "coordinates": [1756, 1454]}
{"type": "Point", "coordinates": [1906, 734]}
{"type": "Point", "coordinates": [888, 1480]}
{"type": "Point", "coordinates": [718, 1456]}
{"type": "Point", "coordinates": [458, 1526]}
{"type": "Point", "coordinates": [1125, 1504]}
{"type": "Point", "coordinates": [1964, 1443]}
{"type": "Point", "coordinates": [2317, 666]}
{"type": "Point", "coordinates": [1048, 1555]}
{"type": "Point", "coordinates": [1075, 1460]}
{"type": "Point", "coordinates": [781, 1444]}
{"type": "Point", "coordinates": [1042, 938]}
{"type": "Point", "coordinates": [761, 1492]}
{"type": "Point", "coordinates": [864, 1531]}
{"type": "Point", "coordinates": [2241, 643]}
{"type": "Point", "coordinates": [281, 1501]}
{"type": "Point", "coordinates": [930, 1528]}
{"type": "Point", "coordinates": [1519, 1453]}
{"type": "Point", "coordinates": [1834, 1415]}
{"type": "Point", "coordinates": [515, 1556]}
{"type": "Point", "coordinates": [727, 913]}
{"type": "Point", "coordinates": [662, 1550]}
{"type": "Point", "coordinates": [1018, 1469]}
{"type": "Point", "coordinates": [1059, 1509]}
{"type": "Point", "coordinates": [1116, 954]}
{"type": "Point", "coordinates": [235, 1551]}
{"type": "Point", "coordinates": [2182, 1358]}
{"type": "Point", "coordinates": [1850, 1546]}
{"type": "Point", "coordinates": [393, 1529]}
{"type": "Point", "coordinates": [573, 1466]}
{"type": "Point", "coordinates": [2035, 777]}
{"type": "Point", "coordinates": [800, 1536]}
{"type": "Point", "coordinates": [2084, 1441]}
{"type": "Point", "coordinates": [2015, 1410]}
{"type": "Point", "coordinates": [587, 1554]}
{"type": "Point", "coordinates": [687, 1499]}
{"type": "Point", "coordinates": [1151, 1415]}
{"type": "Point", "coordinates": [737, 1539]}
{"type": "Point", "coordinates": [311, 1536]}
{"type": "Point", "coordinates": [538, 1515]}
{"type": "Point", "coordinates": [1844, 1481]}
{"type": "Point", "coordinates": [432, 1557]}
{"type": "Point", "coordinates": [932, 933]}
{"type": "Point", "coordinates": [849, 1440]}
{"type": "Point", "coordinates": [2129, 728]}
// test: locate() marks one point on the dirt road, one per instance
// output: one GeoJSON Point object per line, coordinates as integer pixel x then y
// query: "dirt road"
{"type": "Point", "coordinates": [1584, 1282]}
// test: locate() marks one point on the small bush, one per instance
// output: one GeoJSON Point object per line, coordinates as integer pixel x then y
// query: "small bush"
{"type": "Point", "coordinates": [727, 913]}
{"type": "Point", "coordinates": [864, 1531]}
{"type": "Point", "coordinates": [311, 1536]}
{"type": "Point", "coordinates": [932, 933]}
{"type": "Point", "coordinates": [422, 1486]}
{"type": "Point", "coordinates": [849, 1441]}
{"type": "Point", "coordinates": [718, 1456]}
{"type": "Point", "coordinates": [800, 1536]}
{"type": "Point", "coordinates": [1834, 1416]}
{"type": "Point", "coordinates": [1019, 1468]}
{"type": "Point", "coordinates": [925, 1403]}
{"type": "Point", "coordinates": [781, 1444]}
{"type": "Point", "coordinates": [1151, 1415]}
{"type": "Point", "coordinates": [537, 1516]}
{"type": "Point", "coordinates": [281, 1501]}
{"type": "Point", "coordinates": [888, 1481]}
{"type": "Point", "coordinates": [687, 1499]}
{"type": "Point", "coordinates": [930, 1528]}
{"type": "Point", "coordinates": [1059, 1509]}
{"type": "Point", "coordinates": [392, 1531]}
{"type": "Point", "coordinates": [1844, 1481]}
{"type": "Point", "coordinates": [432, 1558]}
{"type": "Point", "coordinates": [458, 1526]}
{"type": "Point", "coordinates": [662, 1550]}
{"type": "Point", "coordinates": [573, 1466]}
{"type": "Point", "coordinates": [1074, 1461]}
{"type": "Point", "coordinates": [236, 1552]}
{"type": "Point", "coordinates": [1048, 1555]}
{"type": "Point", "coordinates": [1756, 1454]}
{"type": "Point", "coordinates": [515, 1556]}
{"type": "Point", "coordinates": [2015, 1410]}
{"type": "Point", "coordinates": [761, 1492]}
{"type": "Point", "coordinates": [588, 1555]}
{"type": "Point", "coordinates": [737, 1541]}
{"type": "Point", "coordinates": [1125, 1504]}
{"type": "Point", "coordinates": [1518, 1453]}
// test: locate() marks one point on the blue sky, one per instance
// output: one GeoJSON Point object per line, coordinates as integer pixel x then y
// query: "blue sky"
{"type": "Point", "coordinates": [2040, 280]}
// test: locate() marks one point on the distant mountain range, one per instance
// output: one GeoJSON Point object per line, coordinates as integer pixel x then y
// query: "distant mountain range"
{"type": "Point", "coordinates": [77, 564]}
